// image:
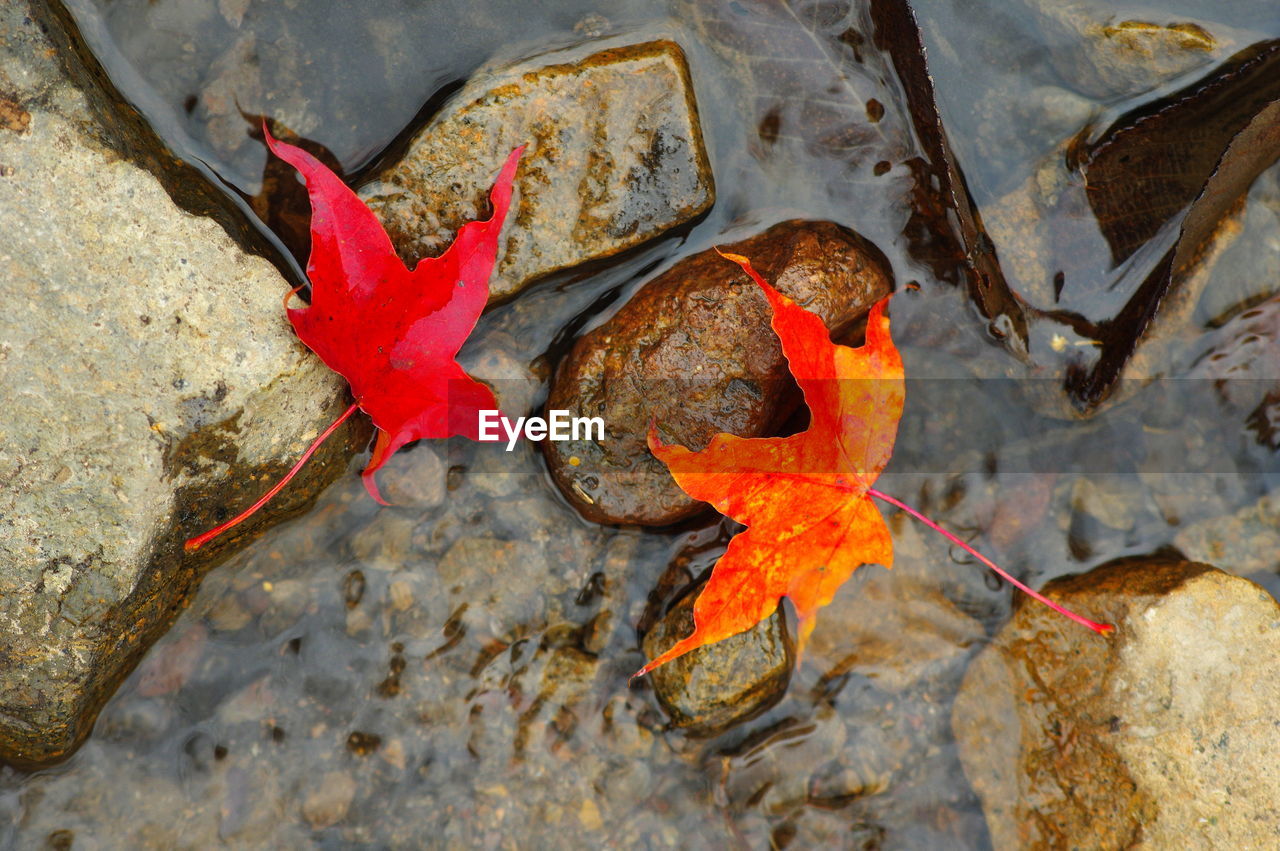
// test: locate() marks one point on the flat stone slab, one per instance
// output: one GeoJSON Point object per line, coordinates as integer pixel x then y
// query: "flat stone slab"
{"type": "Point", "coordinates": [150, 387]}
{"type": "Point", "coordinates": [615, 158]}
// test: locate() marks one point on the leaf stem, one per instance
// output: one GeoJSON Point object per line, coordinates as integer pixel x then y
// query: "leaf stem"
{"type": "Point", "coordinates": [199, 541]}
{"type": "Point", "coordinates": [1100, 628]}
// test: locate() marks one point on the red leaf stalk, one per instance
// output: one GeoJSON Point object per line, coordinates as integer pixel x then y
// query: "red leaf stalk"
{"type": "Point", "coordinates": [1100, 628]}
{"type": "Point", "coordinates": [199, 541]}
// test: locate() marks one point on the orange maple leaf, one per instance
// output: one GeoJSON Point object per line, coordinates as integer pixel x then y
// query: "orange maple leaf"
{"type": "Point", "coordinates": [805, 499]}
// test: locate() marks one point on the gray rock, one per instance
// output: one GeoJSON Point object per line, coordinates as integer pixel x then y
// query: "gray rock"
{"type": "Point", "coordinates": [1163, 735]}
{"type": "Point", "coordinates": [416, 480]}
{"type": "Point", "coordinates": [897, 630]}
{"type": "Point", "coordinates": [1242, 360]}
{"type": "Point", "coordinates": [615, 159]}
{"type": "Point", "coordinates": [330, 799]}
{"type": "Point", "coordinates": [150, 388]}
{"type": "Point", "coordinates": [710, 689]}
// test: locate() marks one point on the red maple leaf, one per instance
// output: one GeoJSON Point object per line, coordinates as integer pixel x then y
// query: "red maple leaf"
{"type": "Point", "coordinates": [805, 499]}
{"type": "Point", "coordinates": [392, 332]}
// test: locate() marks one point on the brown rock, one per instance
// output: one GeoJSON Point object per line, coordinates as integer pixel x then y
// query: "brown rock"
{"type": "Point", "coordinates": [615, 158]}
{"type": "Point", "coordinates": [1162, 735]}
{"type": "Point", "coordinates": [716, 686]}
{"type": "Point", "coordinates": [694, 351]}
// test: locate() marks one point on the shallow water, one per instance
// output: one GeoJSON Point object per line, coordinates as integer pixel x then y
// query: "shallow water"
{"type": "Point", "coordinates": [454, 670]}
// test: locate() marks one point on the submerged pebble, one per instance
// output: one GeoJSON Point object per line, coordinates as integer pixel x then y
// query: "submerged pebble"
{"type": "Point", "coordinates": [710, 689]}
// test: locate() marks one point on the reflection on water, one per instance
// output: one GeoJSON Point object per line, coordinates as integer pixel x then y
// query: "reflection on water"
{"type": "Point", "coordinates": [351, 75]}
{"type": "Point", "coordinates": [454, 670]}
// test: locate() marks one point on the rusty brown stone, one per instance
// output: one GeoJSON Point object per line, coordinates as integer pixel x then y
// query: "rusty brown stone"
{"type": "Point", "coordinates": [694, 351]}
{"type": "Point", "coordinates": [615, 158]}
{"type": "Point", "coordinates": [13, 116]}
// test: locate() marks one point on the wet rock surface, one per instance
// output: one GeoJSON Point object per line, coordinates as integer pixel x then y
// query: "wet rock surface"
{"type": "Point", "coordinates": [150, 387]}
{"type": "Point", "coordinates": [1160, 736]}
{"type": "Point", "coordinates": [472, 685]}
{"type": "Point", "coordinates": [1241, 358]}
{"type": "Point", "coordinates": [881, 666]}
{"type": "Point", "coordinates": [332, 686]}
{"type": "Point", "coordinates": [707, 690]}
{"type": "Point", "coordinates": [694, 351]}
{"type": "Point", "coordinates": [615, 159]}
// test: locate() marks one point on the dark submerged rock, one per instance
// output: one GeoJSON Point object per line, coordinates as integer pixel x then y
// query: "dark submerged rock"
{"type": "Point", "coordinates": [1161, 735]}
{"type": "Point", "coordinates": [694, 351]}
{"type": "Point", "coordinates": [615, 158]}
{"type": "Point", "coordinates": [710, 689]}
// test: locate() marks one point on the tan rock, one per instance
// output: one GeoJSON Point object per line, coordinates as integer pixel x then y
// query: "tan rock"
{"type": "Point", "coordinates": [1161, 736]}
{"type": "Point", "coordinates": [615, 158]}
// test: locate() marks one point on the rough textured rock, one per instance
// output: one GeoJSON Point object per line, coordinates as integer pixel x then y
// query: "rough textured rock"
{"type": "Point", "coordinates": [150, 386]}
{"type": "Point", "coordinates": [709, 689]}
{"type": "Point", "coordinates": [1162, 736]}
{"type": "Point", "coordinates": [615, 158]}
{"type": "Point", "coordinates": [693, 349]}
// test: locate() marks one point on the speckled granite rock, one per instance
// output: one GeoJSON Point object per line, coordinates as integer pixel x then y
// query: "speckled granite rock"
{"type": "Point", "coordinates": [615, 159]}
{"type": "Point", "coordinates": [149, 387]}
{"type": "Point", "coordinates": [1162, 736]}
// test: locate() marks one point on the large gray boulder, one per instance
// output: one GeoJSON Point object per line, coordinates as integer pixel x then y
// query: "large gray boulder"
{"type": "Point", "coordinates": [150, 387]}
